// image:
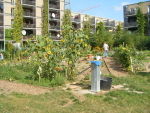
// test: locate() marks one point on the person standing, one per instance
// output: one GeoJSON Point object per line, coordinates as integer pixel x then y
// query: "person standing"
{"type": "Point", "coordinates": [106, 48]}
{"type": "Point", "coordinates": [1, 56]}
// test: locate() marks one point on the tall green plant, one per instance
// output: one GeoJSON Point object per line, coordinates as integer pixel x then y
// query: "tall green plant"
{"type": "Point", "coordinates": [18, 22]}
{"type": "Point", "coordinates": [87, 26]}
{"type": "Point", "coordinates": [141, 22]}
{"type": "Point", "coordinates": [100, 34]}
{"type": "Point", "coordinates": [45, 22]}
{"type": "Point", "coordinates": [66, 23]}
{"type": "Point", "coordinates": [118, 35]}
{"type": "Point", "coordinates": [73, 43]}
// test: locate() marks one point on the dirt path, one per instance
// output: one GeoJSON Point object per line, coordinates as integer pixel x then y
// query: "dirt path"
{"type": "Point", "coordinates": [7, 87]}
{"type": "Point", "coordinates": [114, 68]}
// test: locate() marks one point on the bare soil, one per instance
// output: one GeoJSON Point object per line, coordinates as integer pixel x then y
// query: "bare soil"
{"type": "Point", "coordinates": [7, 87]}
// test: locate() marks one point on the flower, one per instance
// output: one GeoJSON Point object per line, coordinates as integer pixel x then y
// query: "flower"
{"type": "Point", "coordinates": [49, 52]}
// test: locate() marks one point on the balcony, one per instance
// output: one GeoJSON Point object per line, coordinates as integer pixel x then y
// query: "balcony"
{"type": "Point", "coordinates": [29, 25]}
{"type": "Point", "coordinates": [28, 13]}
{"type": "Point", "coordinates": [130, 24]}
{"type": "Point", "coordinates": [57, 27]}
{"type": "Point", "coordinates": [56, 17]}
{"type": "Point", "coordinates": [28, 2]}
{"type": "Point", "coordinates": [1, 36]}
{"type": "Point", "coordinates": [131, 13]}
{"type": "Point", "coordinates": [1, 23]}
{"type": "Point", "coordinates": [54, 1]}
{"type": "Point", "coordinates": [52, 6]}
{"type": "Point", "coordinates": [110, 24]}
{"type": "Point", "coordinates": [76, 19]}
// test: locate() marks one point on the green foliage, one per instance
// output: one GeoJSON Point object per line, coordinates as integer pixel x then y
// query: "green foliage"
{"type": "Point", "coordinates": [73, 43]}
{"type": "Point", "coordinates": [102, 36]}
{"type": "Point", "coordinates": [66, 23]}
{"type": "Point", "coordinates": [46, 58]}
{"type": "Point", "coordinates": [87, 27]}
{"type": "Point", "coordinates": [18, 22]}
{"type": "Point", "coordinates": [141, 22]}
{"type": "Point", "coordinates": [8, 34]}
{"type": "Point", "coordinates": [59, 80]}
{"type": "Point", "coordinates": [134, 40]}
{"type": "Point", "coordinates": [9, 53]}
{"type": "Point", "coordinates": [75, 46]}
{"type": "Point", "coordinates": [129, 58]}
{"type": "Point", "coordinates": [117, 35]}
{"type": "Point", "coordinates": [45, 21]}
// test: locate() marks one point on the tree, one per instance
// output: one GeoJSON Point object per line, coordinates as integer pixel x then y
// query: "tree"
{"type": "Point", "coordinates": [100, 34]}
{"type": "Point", "coordinates": [45, 22]}
{"type": "Point", "coordinates": [18, 22]}
{"type": "Point", "coordinates": [117, 35]}
{"type": "Point", "coordinates": [87, 27]}
{"type": "Point", "coordinates": [118, 32]}
{"type": "Point", "coordinates": [141, 22]}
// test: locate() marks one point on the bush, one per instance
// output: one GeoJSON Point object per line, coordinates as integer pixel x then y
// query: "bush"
{"type": "Point", "coordinates": [129, 58]}
{"type": "Point", "coordinates": [133, 40]}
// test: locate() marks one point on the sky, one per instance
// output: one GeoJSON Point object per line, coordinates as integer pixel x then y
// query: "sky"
{"type": "Point", "coordinates": [112, 9]}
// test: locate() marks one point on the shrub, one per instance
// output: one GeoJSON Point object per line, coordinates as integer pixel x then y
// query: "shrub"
{"type": "Point", "coordinates": [129, 58]}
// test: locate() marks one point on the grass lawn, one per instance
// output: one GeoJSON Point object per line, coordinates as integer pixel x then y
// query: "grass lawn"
{"type": "Point", "coordinates": [60, 101]}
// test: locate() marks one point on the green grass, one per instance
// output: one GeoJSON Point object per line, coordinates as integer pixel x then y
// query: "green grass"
{"type": "Point", "coordinates": [24, 74]}
{"type": "Point", "coordinates": [59, 101]}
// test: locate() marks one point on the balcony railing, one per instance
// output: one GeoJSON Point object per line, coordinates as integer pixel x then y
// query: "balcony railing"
{"type": "Point", "coordinates": [29, 14]}
{"type": "Point", "coordinates": [28, 2]}
{"type": "Point", "coordinates": [75, 19]}
{"type": "Point", "coordinates": [29, 25]}
{"type": "Point", "coordinates": [130, 12]}
{"type": "Point", "coordinates": [55, 27]}
{"type": "Point", "coordinates": [54, 0]}
{"type": "Point", "coordinates": [109, 24]}
{"type": "Point", "coordinates": [54, 6]}
{"type": "Point", "coordinates": [54, 18]}
{"type": "Point", "coordinates": [130, 24]}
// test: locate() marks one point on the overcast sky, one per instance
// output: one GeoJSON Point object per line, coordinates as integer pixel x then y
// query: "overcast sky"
{"type": "Point", "coordinates": [103, 8]}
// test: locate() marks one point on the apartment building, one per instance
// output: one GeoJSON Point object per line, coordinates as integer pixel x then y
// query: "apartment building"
{"type": "Point", "coordinates": [32, 18]}
{"type": "Point", "coordinates": [130, 12]}
{"type": "Point", "coordinates": [78, 20]}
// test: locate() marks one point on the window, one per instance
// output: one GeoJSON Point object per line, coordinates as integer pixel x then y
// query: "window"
{"type": "Point", "coordinates": [1, 8]}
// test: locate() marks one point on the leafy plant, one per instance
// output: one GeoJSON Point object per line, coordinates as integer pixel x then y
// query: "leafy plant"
{"type": "Point", "coordinates": [18, 22]}
{"type": "Point", "coordinates": [141, 22]}
{"type": "Point", "coordinates": [46, 58]}
{"type": "Point", "coordinates": [129, 58]}
{"type": "Point", "coordinates": [8, 34]}
{"type": "Point", "coordinates": [45, 21]}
